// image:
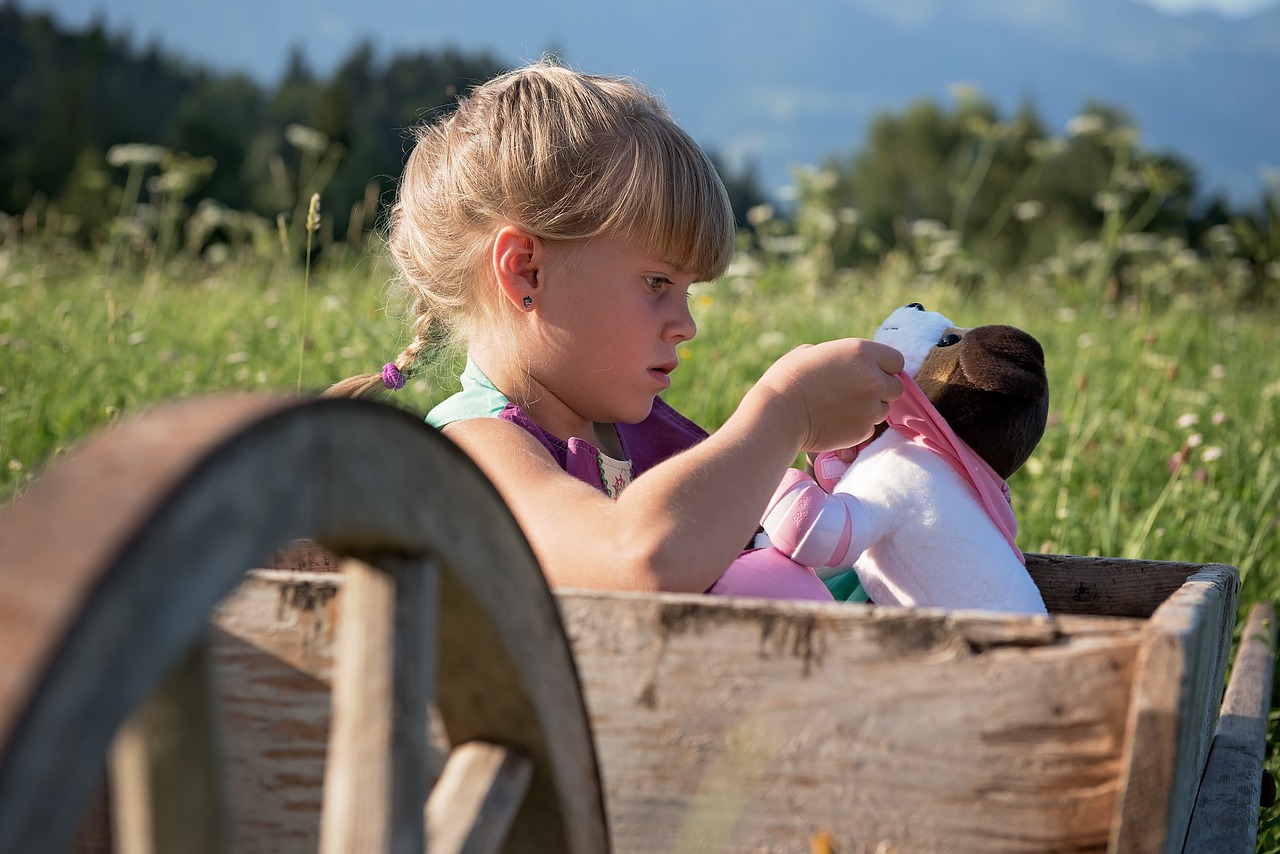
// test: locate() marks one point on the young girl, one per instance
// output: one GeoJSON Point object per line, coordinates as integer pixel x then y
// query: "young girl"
{"type": "Point", "coordinates": [552, 225]}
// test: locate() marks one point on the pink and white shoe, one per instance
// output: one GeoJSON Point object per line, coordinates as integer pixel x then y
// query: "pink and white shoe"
{"type": "Point", "coordinates": [808, 525]}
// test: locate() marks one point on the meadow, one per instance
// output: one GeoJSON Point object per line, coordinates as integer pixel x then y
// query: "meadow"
{"type": "Point", "coordinates": [1164, 433]}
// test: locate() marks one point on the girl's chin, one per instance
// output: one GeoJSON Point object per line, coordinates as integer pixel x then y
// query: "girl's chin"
{"type": "Point", "coordinates": [637, 414]}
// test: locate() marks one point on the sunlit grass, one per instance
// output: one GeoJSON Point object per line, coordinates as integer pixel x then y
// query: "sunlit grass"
{"type": "Point", "coordinates": [1164, 433]}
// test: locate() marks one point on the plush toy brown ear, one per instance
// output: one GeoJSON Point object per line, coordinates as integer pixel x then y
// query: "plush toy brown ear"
{"type": "Point", "coordinates": [991, 388]}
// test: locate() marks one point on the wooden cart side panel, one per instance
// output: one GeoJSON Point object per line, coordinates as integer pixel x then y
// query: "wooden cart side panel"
{"type": "Point", "coordinates": [1225, 819]}
{"type": "Point", "coordinates": [750, 726]}
{"type": "Point", "coordinates": [1180, 670]}
{"type": "Point", "coordinates": [712, 720]}
{"type": "Point", "coordinates": [273, 641]}
{"type": "Point", "coordinates": [1106, 586]}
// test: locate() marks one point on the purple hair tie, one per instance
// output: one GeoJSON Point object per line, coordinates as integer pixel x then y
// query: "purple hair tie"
{"type": "Point", "coordinates": [391, 376]}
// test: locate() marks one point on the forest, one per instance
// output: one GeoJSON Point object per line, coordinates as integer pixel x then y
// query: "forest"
{"type": "Point", "coordinates": [92, 125]}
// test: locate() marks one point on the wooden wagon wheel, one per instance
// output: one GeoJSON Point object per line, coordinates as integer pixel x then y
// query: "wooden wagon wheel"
{"type": "Point", "coordinates": [111, 563]}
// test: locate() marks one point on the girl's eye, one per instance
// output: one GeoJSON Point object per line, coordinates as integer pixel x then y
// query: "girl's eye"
{"type": "Point", "coordinates": [657, 283]}
{"type": "Point", "coordinates": [949, 340]}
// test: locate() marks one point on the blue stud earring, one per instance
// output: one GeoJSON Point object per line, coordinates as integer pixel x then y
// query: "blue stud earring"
{"type": "Point", "coordinates": [527, 302]}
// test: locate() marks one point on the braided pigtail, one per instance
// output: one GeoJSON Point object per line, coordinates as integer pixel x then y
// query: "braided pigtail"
{"type": "Point", "coordinates": [395, 373]}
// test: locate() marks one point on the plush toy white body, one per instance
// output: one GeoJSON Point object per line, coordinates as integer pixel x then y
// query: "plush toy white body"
{"type": "Point", "coordinates": [922, 540]}
{"type": "Point", "coordinates": [926, 521]}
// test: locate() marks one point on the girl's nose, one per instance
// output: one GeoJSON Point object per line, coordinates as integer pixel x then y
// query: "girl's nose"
{"type": "Point", "coordinates": [682, 327]}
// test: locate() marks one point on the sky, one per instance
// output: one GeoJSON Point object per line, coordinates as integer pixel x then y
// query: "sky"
{"type": "Point", "coordinates": [257, 42]}
{"type": "Point", "coordinates": [1231, 8]}
{"type": "Point", "coordinates": [628, 37]}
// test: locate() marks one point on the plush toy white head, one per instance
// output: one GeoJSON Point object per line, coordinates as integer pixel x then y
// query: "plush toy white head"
{"type": "Point", "coordinates": [913, 332]}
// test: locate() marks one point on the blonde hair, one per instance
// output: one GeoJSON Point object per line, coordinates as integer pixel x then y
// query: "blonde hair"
{"type": "Point", "coordinates": [564, 155]}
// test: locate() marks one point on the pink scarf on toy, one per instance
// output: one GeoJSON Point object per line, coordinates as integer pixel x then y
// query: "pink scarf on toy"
{"type": "Point", "coordinates": [916, 418]}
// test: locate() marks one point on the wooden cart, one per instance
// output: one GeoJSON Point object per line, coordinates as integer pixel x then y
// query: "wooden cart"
{"type": "Point", "coordinates": [418, 658]}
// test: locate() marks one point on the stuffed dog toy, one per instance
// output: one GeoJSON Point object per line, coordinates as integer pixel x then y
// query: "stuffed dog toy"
{"type": "Point", "coordinates": [923, 512]}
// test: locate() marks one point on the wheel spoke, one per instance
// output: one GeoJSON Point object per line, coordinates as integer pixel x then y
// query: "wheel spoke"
{"type": "Point", "coordinates": [166, 789]}
{"type": "Point", "coordinates": [374, 795]}
{"type": "Point", "coordinates": [476, 799]}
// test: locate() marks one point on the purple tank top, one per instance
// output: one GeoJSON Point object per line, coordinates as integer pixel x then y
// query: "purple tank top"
{"type": "Point", "coordinates": [664, 433]}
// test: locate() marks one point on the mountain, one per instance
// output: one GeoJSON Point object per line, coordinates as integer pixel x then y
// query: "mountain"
{"type": "Point", "coordinates": [775, 84]}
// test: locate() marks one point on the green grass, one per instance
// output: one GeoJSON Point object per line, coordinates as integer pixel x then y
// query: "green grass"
{"type": "Point", "coordinates": [1164, 435]}
{"type": "Point", "coordinates": [1135, 382]}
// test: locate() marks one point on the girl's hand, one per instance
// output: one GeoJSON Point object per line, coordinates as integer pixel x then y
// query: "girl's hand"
{"type": "Point", "coordinates": [836, 391]}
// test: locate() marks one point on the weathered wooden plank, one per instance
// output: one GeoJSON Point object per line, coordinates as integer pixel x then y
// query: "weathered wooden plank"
{"type": "Point", "coordinates": [747, 725]}
{"type": "Point", "coordinates": [476, 799]}
{"type": "Point", "coordinates": [1225, 820]}
{"type": "Point", "coordinates": [1176, 695]}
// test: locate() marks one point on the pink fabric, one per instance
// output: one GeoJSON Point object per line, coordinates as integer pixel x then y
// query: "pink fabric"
{"type": "Point", "coordinates": [914, 416]}
{"type": "Point", "coordinates": [769, 574]}
{"type": "Point", "coordinates": [828, 469]}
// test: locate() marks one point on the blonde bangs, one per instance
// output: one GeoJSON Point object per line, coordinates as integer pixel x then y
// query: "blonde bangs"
{"type": "Point", "coordinates": [670, 197]}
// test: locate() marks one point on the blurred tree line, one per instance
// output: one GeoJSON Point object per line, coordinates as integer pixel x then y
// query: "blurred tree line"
{"type": "Point", "coordinates": [95, 131]}
{"type": "Point", "coordinates": [1003, 193]}
{"type": "Point", "coordinates": [1013, 192]}
{"type": "Point", "coordinates": [68, 98]}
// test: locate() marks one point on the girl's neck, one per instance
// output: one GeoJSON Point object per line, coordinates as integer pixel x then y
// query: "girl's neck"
{"type": "Point", "coordinates": [546, 409]}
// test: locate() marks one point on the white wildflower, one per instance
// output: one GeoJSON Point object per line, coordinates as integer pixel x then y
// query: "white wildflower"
{"type": "Point", "coordinates": [927, 228]}
{"type": "Point", "coordinates": [1108, 200]}
{"type": "Point", "coordinates": [1046, 149]}
{"type": "Point", "coordinates": [136, 154]}
{"type": "Point", "coordinates": [1221, 237]}
{"type": "Point", "coordinates": [758, 215]}
{"type": "Point", "coordinates": [1028, 210]}
{"type": "Point", "coordinates": [849, 216]}
{"type": "Point", "coordinates": [306, 139]}
{"type": "Point", "coordinates": [964, 90]}
{"type": "Point", "coordinates": [1085, 124]}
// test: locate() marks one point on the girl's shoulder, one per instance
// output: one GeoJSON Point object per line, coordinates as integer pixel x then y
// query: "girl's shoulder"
{"type": "Point", "coordinates": [478, 398]}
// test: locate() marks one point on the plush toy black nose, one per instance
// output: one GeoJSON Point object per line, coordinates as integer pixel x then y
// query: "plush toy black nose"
{"type": "Point", "coordinates": [917, 306]}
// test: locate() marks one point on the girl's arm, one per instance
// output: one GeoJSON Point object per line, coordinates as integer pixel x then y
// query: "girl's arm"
{"type": "Point", "coordinates": [679, 525]}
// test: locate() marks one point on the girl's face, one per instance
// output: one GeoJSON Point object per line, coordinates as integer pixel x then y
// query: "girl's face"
{"type": "Point", "coordinates": [608, 320]}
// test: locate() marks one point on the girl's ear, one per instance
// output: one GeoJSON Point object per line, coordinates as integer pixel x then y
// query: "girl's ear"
{"type": "Point", "coordinates": [516, 256]}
